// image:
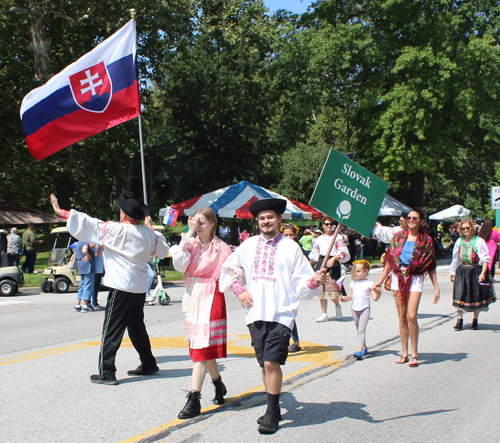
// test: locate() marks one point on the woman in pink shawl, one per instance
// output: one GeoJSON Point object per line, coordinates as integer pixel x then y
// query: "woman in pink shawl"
{"type": "Point", "coordinates": [491, 237]}
{"type": "Point", "coordinates": [200, 257]}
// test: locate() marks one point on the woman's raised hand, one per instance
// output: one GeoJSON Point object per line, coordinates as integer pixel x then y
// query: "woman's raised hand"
{"type": "Point", "coordinates": [55, 203]}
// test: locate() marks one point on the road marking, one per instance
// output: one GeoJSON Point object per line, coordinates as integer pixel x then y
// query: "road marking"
{"type": "Point", "coordinates": [12, 302]}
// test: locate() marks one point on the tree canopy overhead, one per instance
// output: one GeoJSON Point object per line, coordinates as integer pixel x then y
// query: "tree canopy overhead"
{"type": "Point", "coordinates": [230, 93]}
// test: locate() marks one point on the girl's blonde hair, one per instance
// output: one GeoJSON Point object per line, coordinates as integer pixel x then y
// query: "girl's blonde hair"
{"type": "Point", "coordinates": [359, 263]}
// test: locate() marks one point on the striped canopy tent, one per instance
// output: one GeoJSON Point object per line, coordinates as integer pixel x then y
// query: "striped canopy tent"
{"type": "Point", "coordinates": [233, 201]}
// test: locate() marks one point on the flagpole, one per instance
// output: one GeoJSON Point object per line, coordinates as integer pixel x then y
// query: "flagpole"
{"type": "Point", "coordinates": [133, 14]}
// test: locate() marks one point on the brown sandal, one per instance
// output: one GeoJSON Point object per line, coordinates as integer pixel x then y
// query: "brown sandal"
{"type": "Point", "coordinates": [402, 360]}
{"type": "Point", "coordinates": [413, 362]}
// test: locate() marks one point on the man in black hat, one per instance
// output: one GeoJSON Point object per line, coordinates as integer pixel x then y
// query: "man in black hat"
{"type": "Point", "coordinates": [127, 248]}
{"type": "Point", "coordinates": [277, 273]}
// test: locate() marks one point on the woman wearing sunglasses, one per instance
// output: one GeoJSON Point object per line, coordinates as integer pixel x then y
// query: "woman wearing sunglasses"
{"type": "Point", "coordinates": [409, 258]}
{"type": "Point", "coordinates": [472, 289]}
{"type": "Point", "coordinates": [339, 254]}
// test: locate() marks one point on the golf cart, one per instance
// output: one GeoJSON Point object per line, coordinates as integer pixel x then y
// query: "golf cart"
{"type": "Point", "coordinates": [59, 276]}
{"type": "Point", "coordinates": [11, 277]}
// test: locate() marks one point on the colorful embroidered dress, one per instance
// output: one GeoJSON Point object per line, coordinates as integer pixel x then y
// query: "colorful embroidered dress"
{"type": "Point", "coordinates": [203, 305]}
{"type": "Point", "coordinates": [468, 258]}
{"type": "Point", "coordinates": [422, 260]}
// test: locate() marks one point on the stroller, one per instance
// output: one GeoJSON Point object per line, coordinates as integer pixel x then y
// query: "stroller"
{"type": "Point", "coordinates": [158, 291]}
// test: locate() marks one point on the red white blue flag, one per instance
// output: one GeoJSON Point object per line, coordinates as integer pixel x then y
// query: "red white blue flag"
{"type": "Point", "coordinates": [95, 93]}
{"type": "Point", "coordinates": [340, 282]}
{"type": "Point", "coordinates": [171, 215]}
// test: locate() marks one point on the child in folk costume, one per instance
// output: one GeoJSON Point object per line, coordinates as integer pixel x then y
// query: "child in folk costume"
{"type": "Point", "coordinates": [359, 294]}
{"type": "Point", "coordinates": [201, 258]}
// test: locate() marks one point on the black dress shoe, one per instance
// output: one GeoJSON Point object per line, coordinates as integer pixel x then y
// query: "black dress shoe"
{"type": "Point", "coordinates": [459, 325]}
{"type": "Point", "coordinates": [269, 424]}
{"type": "Point", "coordinates": [474, 325]}
{"type": "Point", "coordinates": [143, 371]}
{"type": "Point", "coordinates": [109, 380]}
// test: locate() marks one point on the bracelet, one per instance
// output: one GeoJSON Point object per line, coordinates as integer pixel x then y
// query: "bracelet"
{"type": "Point", "coordinates": [237, 288]}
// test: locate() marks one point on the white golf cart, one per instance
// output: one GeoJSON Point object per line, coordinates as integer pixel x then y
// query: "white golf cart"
{"type": "Point", "coordinates": [11, 277]}
{"type": "Point", "coordinates": [59, 276]}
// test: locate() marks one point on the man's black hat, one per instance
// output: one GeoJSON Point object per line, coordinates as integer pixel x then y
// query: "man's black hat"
{"type": "Point", "coordinates": [275, 204]}
{"type": "Point", "coordinates": [134, 208]}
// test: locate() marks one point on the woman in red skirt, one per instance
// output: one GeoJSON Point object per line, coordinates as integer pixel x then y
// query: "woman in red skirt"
{"type": "Point", "coordinates": [200, 258]}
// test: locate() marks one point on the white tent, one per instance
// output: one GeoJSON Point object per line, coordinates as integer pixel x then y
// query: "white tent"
{"type": "Point", "coordinates": [390, 206]}
{"type": "Point", "coordinates": [453, 211]}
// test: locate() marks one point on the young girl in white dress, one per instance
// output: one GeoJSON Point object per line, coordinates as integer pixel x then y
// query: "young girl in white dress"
{"type": "Point", "coordinates": [359, 293]}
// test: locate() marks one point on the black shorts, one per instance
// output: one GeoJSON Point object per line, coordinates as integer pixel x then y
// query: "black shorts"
{"type": "Point", "coordinates": [270, 341]}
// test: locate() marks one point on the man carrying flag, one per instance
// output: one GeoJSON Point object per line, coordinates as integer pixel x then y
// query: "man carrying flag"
{"type": "Point", "coordinates": [95, 93]}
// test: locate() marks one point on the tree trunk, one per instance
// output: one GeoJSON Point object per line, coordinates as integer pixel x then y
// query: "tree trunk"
{"type": "Point", "coordinates": [40, 46]}
{"type": "Point", "coordinates": [417, 189]}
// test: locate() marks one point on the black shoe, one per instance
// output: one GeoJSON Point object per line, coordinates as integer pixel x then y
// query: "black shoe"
{"type": "Point", "coordinates": [474, 325]}
{"type": "Point", "coordinates": [192, 407]}
{"type": "Point", "coordinates": [220, 391]}
{"type": "Point", "coordinates": [459, 325]}
{"type": "Point", "coordinates": [269, 424]}
{"type": "Point", "coordinates": [142, 371]}
{"type": "Point", "coordinates": [294, 348]}
{"type": "Point", "coordinates": [109, 380]}
{"type": "Point", "coordinates": [259, 420]}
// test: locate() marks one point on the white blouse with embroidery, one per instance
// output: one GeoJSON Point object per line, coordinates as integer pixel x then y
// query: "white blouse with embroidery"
{"type": "Point", "coordinates": [276, 273]}
{"type": "Point", "coordinates": [321, 245]}
{"type": "Point", "coordinates": [482, 253]}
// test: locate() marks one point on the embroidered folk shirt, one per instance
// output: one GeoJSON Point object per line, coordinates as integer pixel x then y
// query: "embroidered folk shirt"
{"type": "Point", "coordinates": [465, 255]}
{"type": "Point", "coordinates": [276, 273]}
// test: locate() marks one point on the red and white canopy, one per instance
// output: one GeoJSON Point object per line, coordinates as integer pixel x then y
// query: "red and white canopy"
{"type": "Point", "coordinates": [233, 201]}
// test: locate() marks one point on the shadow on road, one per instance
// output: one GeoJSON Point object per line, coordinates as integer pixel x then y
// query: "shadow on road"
{"type": "Point", "coordinates": [307, 414]}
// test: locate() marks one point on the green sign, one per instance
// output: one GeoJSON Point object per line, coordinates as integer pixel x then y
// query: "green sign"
{"type": "Point", "coordinates": [349, 193]}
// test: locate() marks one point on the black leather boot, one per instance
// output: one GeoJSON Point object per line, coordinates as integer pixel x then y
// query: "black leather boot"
{"type": "Point", "coordinates": [192, 407]}
{"type": "Point", "coordinates": [459, 325]}
{"type": "Point", "coordinates": [220, 391]}
{"type": "Point", "coordinates": [474, 324]}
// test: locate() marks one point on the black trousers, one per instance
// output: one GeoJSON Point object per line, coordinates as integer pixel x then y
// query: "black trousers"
{"type": "Point", "coordinates": [124, 310]}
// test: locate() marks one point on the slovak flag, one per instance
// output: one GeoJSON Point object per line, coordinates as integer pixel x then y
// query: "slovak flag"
{"type": "Point", "coordinates": [171, 215]}
{"type": "Point", "coordinates": [95, 93]}
{"type": "Point", "coordinates": [340, 282]}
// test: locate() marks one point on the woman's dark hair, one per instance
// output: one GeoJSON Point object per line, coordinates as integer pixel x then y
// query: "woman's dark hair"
{"type": "Point", "coordinates": [486, 229]}
{"type": "Point", "coordinates": [423, 224]}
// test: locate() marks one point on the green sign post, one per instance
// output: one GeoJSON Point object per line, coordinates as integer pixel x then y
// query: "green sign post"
{"type": "Point", "coordinates": [349, 193]}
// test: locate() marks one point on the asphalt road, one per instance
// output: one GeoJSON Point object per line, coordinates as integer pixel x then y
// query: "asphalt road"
{"type": "Point", "coordinates": [48, 352]}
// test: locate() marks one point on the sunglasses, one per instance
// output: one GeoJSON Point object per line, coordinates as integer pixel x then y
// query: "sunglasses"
{"type": "Point", "coordinates": [327, 224]}
{"type": "Point", "coordinates": [412, 218]}
{"type": "Point", "coordinates": [466, 227]}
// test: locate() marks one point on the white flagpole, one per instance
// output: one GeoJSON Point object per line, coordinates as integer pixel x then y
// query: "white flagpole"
{"type": "Point", "coordinates": [132, 14]}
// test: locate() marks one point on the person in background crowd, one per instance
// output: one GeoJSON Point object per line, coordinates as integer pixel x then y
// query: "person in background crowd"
{"type": "Point", "coordinates": [244, 236]}
{"type": "Point", "coordinates": [290, 230]}
{"type": "Point", "coordinates": [99, 272]}
{"type": "Point", "coordinates": [339, 254]}
{"type": "Point", "coordinates": [276, 273]}
{"type": "Point", "coordinates": [386, 233]}
{"type": "Point", "coordinates": [491, 237]}
{"type": "Point", "coordinates": [472, 289]}
{"type": "Point", "coordinates": [200, 259]}
{"type": "Point", "coordinates": [409, 259]}
{"type": "Point", "coordinates": [224, 232]}
{"type": "Point", "coordinates": [29, 243]}
{"type": "Point", "coordinates": [306, 241]}
{"type": "Point", "coordinates": [86, 268]}
{"type": "Point", "coordinates": [14, 247]}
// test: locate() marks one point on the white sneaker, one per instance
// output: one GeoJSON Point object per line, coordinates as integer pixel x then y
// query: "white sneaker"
{"type": "Point", "coordinates": [338, 311]}
{"type": "Point", "coordinates": [322, 317]}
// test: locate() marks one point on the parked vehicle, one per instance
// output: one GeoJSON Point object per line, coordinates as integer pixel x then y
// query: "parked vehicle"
{"type": "Point", "coordinates": [59, 276]}
{"type": "Point", "coordinates": [11, 277]}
